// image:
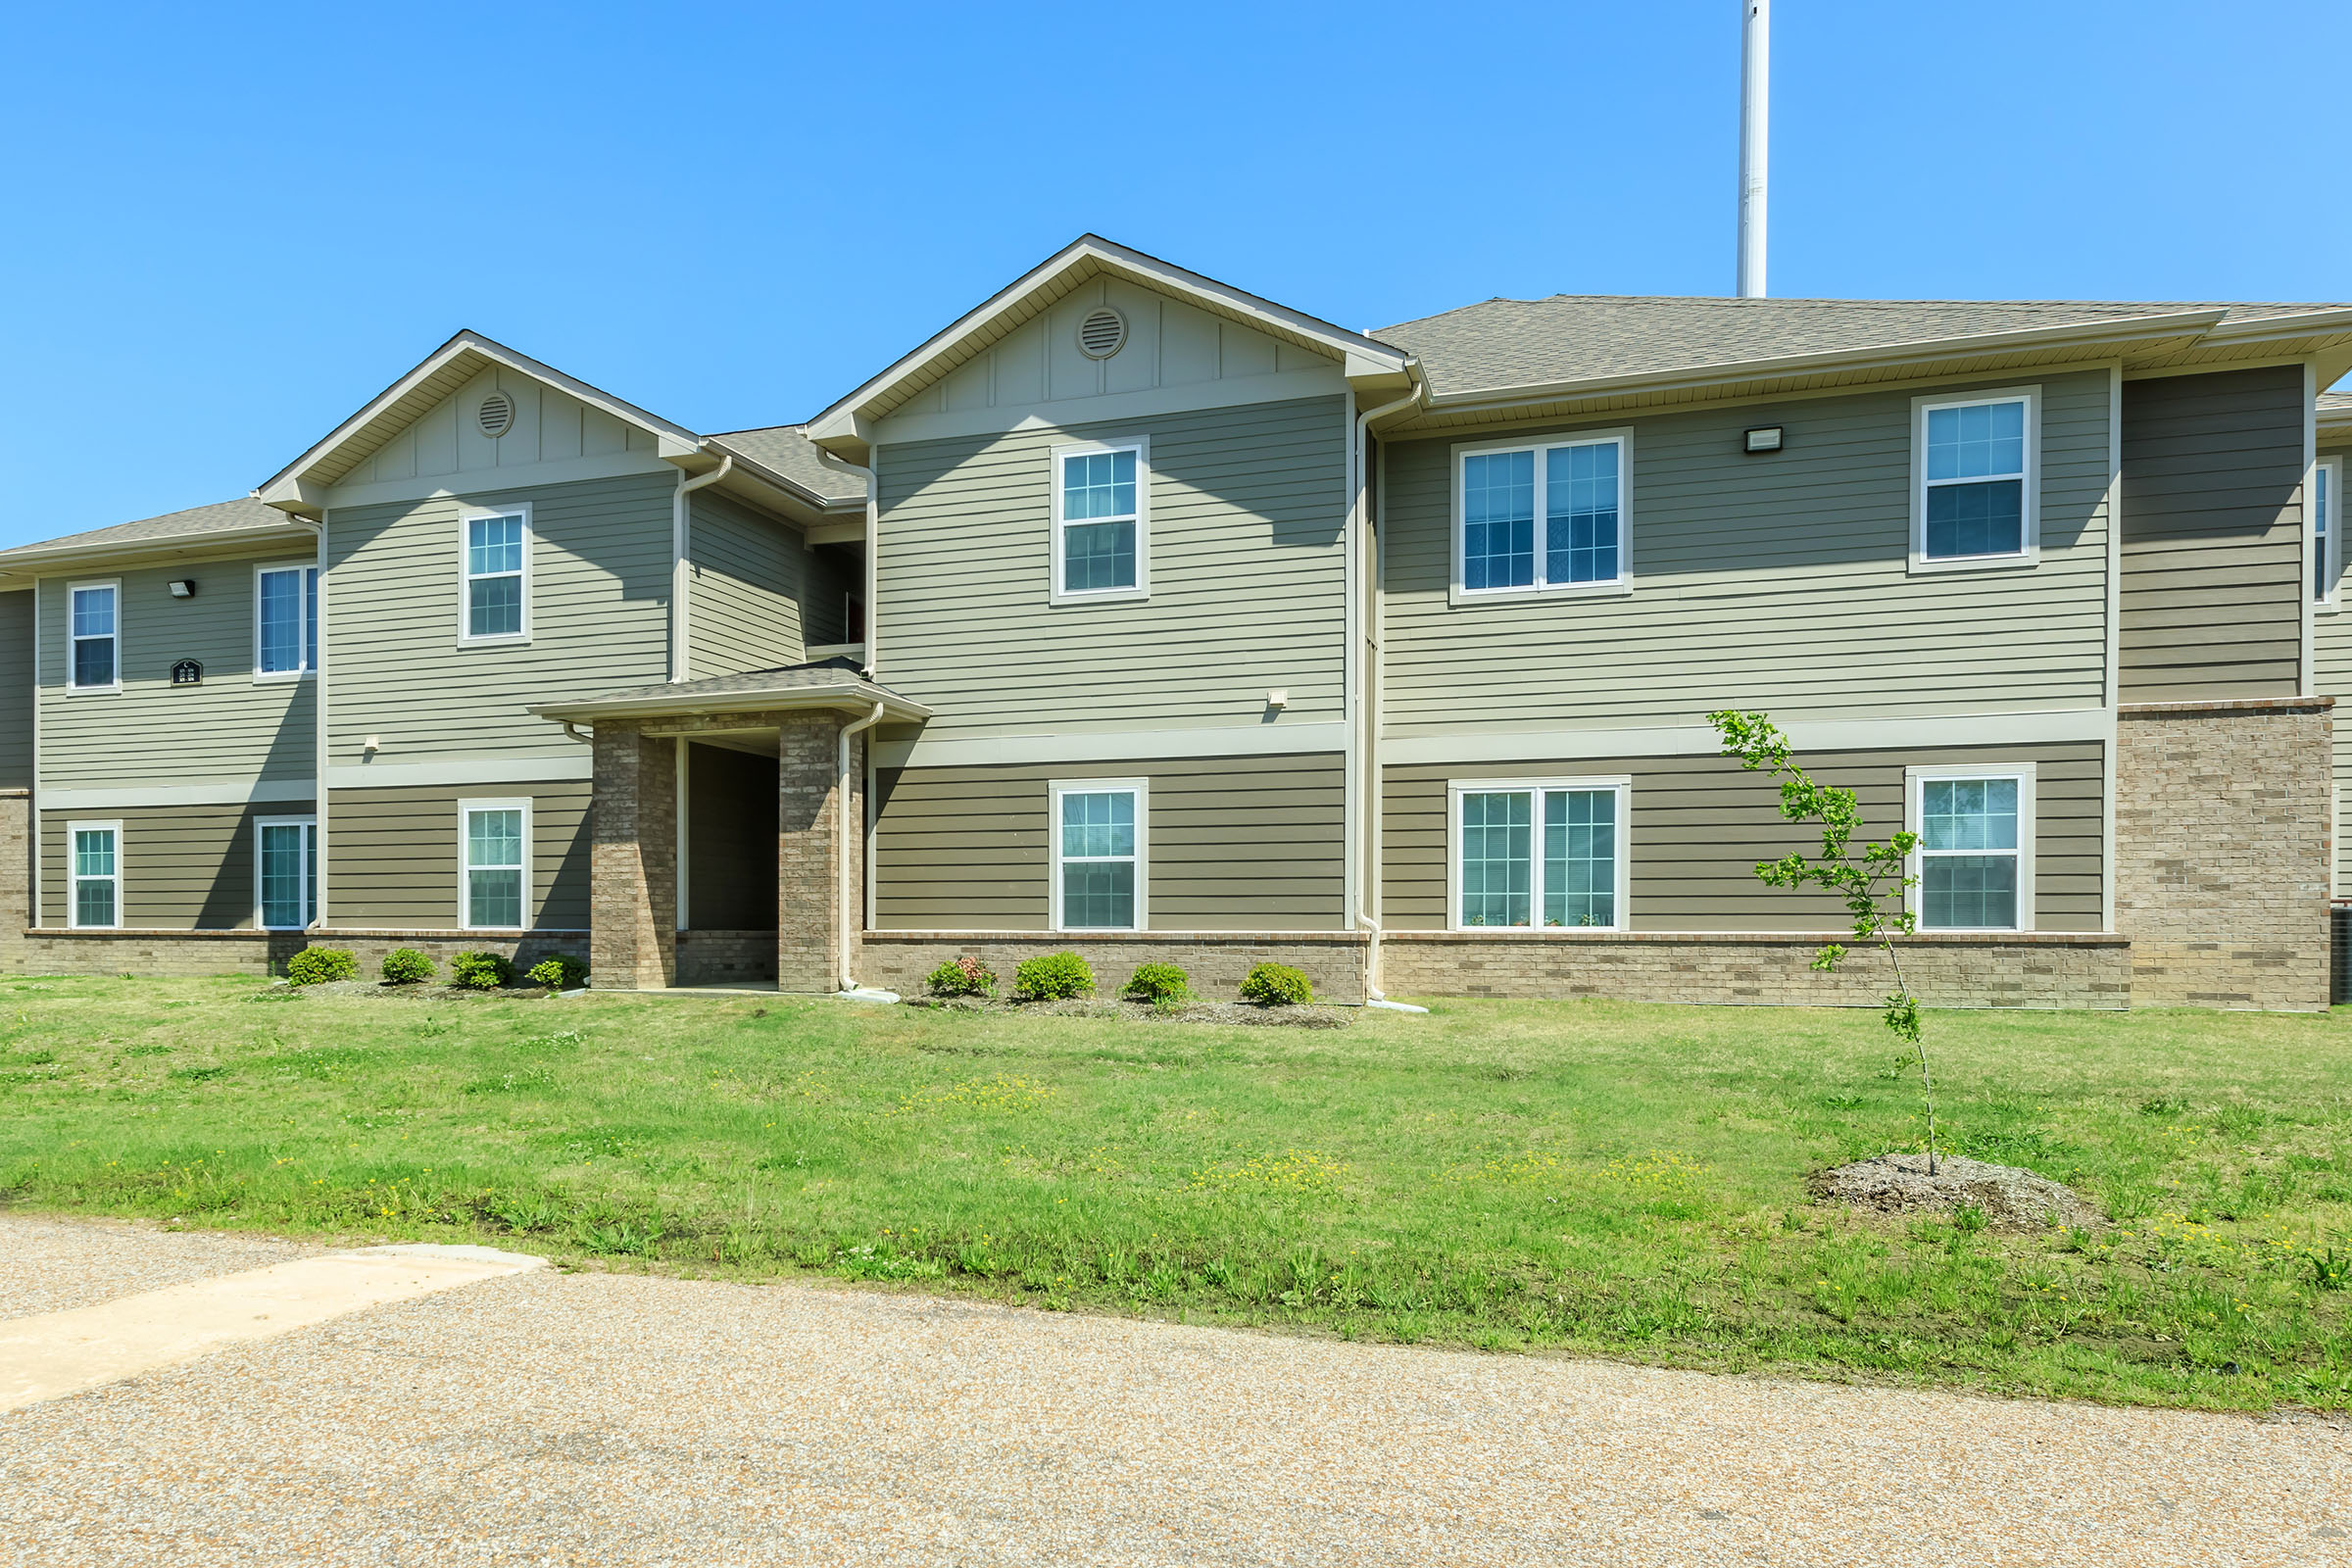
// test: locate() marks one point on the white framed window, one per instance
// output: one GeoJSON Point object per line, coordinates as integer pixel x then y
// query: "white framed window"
{"type": "Point", "coordinates": [285, 620]}
{"type": "Point", "coordinates": [494, 568]}
{"type": "Point", "coordinates": [1548, 853]}
{"type": "Point", "coordinates": [1102, 520]}
{"type": "Point", "coordinates": [494, 863]}
{"type": "Point", "coordinates": [1974, 854]}
{"type": "Point", "coordinates": [1975, 467]}
{"type": "Point", "coordinates": [1101, 871]}
{"type": "Point", "coordinates": [2326, 530]}
{"type": "Point", "coordinates": [94, 875]}
{"type": "Point", "coordinates": [1546, 518]}
{"type": "Point", "coordinates": [95, 636]}
{"type": "Point", "coordinates": [286, 873]}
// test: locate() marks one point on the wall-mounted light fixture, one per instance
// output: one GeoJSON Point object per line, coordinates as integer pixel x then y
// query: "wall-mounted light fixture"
{"type": "Point", "coordinates": [183, 587]}
{"type": "Point", "coordinates": [1764, 438]}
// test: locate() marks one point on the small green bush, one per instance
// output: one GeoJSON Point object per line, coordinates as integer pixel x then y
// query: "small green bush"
{"type": "Point", "coordinates": [1276, 985]}
{"type": "Point", "coordinates": [1054, 977]}
{"type": "Point", "coordinates": [557, 972]}
{"type": "Point", "coordinates": [964, 977]}
{"type": "Point", "coordinates": [313, 966]}
{"type": "Point", "coordinates": [406, 966]}
{"type": "Point", "coordinates": [480, 971]}
{"type": "Point", "coordinates": [1158, 983]}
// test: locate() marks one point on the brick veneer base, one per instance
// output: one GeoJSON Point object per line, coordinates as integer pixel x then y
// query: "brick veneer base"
{"type": "Point", "coordinates": [264, 953]}
{"type": "Point", "coordinates": [726, 957]}
{"type": "Point", "coordinates": [1216, 961]}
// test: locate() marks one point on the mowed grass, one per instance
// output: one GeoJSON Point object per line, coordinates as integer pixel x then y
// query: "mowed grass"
{"type": "Point", "coordinates": [1594, 1177]}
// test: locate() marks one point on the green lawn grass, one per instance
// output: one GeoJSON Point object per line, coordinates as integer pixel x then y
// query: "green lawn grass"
{"type": "Point", "coordinates": [1597, 1177]}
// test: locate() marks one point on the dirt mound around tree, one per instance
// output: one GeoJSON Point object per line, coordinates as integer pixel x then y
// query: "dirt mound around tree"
{"type": "Point", "coordinates": [2007, 1197]}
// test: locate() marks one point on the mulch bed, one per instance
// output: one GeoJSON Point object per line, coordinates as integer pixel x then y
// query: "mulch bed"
{"type": "Point", "coordinates": [1246, 1013]}
{"type": "Point", "coordinates": [425, 991]}
{"type": "Point", "coordinates": [2008, 1197]}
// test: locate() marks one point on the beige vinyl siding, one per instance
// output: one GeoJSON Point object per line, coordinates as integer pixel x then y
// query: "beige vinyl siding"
{"type": "Point", "coordinates": [731, 834]}
{"type": "Point", "coordinates": [229, 727]}
{"type": "Point", "coordinates": [1233, 844]}
{"type": "Point", "coordinates": [2213, 535]}
{"type": "Point", "coordinates": [184, 867]}
{"type": "Point", "coordinates": [2331, 660]}
{"type": "Point", "coordinates": [392, 855]}
{"type": "Point", "coordinates": [1700, 824]}
{"type": "Point", "coordinates": [16, 689]}
{"type": "Point", "coordinates": [755, 593]}
{"type": "Point", "coordinates": [1778, 581]}
{"type": "Point", "coordinates": [550, 426]}
{"type": "Point", "coordinates": [599, 614]}
{"type": "Point", "coordinates": [1247, 507]}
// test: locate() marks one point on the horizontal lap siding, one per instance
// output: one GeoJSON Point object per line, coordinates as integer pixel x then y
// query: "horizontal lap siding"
{"type": "Point", "coordinates": [2332, 655]}
{"type": "Point", "coordinates": [2212, 581]}
{"type": "Point", "coordinates": [184, 867]}
{"type": "Point", "coordinates": [1234, 844]}
{"type": "Point", "coordinates": [745, 582]}
{"type": "Point", "coordinates": [1248, 508]}
{"type": "Point", "coordinates": [229, 726]}
{"type": "Point", "coordinates": [600, 621]}
{"type": "Point", "coordinates": [1778, 581]}
{"type": "Point", "coordinates": [392, 855]}
{"type": "Point", "coordinates": [1700, 824]}
{"type": "Point", "coordinates": [16, 690]}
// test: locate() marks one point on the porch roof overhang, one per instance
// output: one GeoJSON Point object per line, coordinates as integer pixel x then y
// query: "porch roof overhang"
{"type": "Point", "coordinates": [830, 684]}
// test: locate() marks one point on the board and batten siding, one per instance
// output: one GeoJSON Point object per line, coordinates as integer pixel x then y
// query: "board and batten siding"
{"type": "Point", "coordinates": [184, 867]}
{"type": "Point", "coordinates": [550, 426]}
{"type": "Point", "coordinates": [2331, 661]}
{"type": "Point", "coordinates": [392, 855]}
{"type": "Point", "coordinates": [1248, 510]}
{"type": "Point", "coordinates": [229, 728]}
{"type": "Point", "coordinates": [15, 687]}
{"type": "Point", "coordinates": [1233, 844]}
{"type": "Point", "coordinates": [1776, 581]}
{"type": "Point", "coordinates": [2213, 582]}
{"type": "Point", "coordinates": [599, 616]}
{"type": "Point", "coordinates": [757, 596]}
{"type": "Point", "coordinates": [1702, 824]}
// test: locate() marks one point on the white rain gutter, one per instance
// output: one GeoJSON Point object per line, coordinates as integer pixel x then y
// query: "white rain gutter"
{"type": "Point", "coordinates": [681, 541]}
{"type": "Point", "coordinates": [1363, 742]}
{"type": "Point", "coordinates": [853, 835]}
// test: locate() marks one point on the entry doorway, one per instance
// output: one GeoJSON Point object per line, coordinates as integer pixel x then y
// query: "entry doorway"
{"type": "Point", "coordinates": [727, 859]}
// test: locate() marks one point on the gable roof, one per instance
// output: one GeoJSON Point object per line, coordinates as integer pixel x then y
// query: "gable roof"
{"type": "Point", "coordinates": [223, 522]}
{"type": "Point", "coordinates": [786, 452]}
{"type": "Point", "coordinates": [2334, 415]}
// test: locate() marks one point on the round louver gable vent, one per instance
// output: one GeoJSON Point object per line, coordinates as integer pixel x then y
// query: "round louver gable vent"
{"type": "Point", "coordinates": [1102, 334]}
{"type": "Point", "coordinates": [496, 414]}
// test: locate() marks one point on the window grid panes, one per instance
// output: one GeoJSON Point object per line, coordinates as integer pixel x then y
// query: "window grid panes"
{"type": "Point", "coordinates": [290, 875]}
{"type": "Point", "coordinates": [94, 637]}
{"type": "Point", "coordinates": [494, 868]}
{"type": "Point", "coordinates": [1580, 537]}
{"type": "Point", "coordinates": [285, 620]}
{"type": "Point", "coordinates": [1573, 881]}
{"type": "Point", "coordinates": [1098, 859]}
{"type": "Point", "coordinates": [1583, 523]}
{"type": "Point", "coordinates": [494, 577]}
{"type": "Point", "coordinates": [1499, 519]}
{"type": "Point", "coordinates": [96, 877]}
{"type": "Point", "coordinates": [1976, 480]}
{"type": "Point", "coordinates": [1098, 521]}
{"type": "Point", "coordinates": [1969, 854]}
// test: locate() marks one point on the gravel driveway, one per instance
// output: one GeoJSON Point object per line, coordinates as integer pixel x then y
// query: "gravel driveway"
{"type": "Point", "coordinates": [613, 1419]}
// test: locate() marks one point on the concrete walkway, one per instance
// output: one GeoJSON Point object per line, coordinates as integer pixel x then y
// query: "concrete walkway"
{"type": "Point", "coordinates": [540, 1417]}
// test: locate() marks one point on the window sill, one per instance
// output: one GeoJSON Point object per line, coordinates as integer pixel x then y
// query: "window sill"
{"type": "Point", "coordinates": [1099, 595]}
{"type": "Point", "coordinates": [1621, 588]}
{"type": "Point", "coordinates": [280, 677]}
{"type": "Point", "coordinates": [1537, 930]}
{"type": "Point", "coordinates": [94, 691]}
{"type": "Point", "coordinates": [518, 640]}
{"type": "Point", "coordinates": [1923, 565]}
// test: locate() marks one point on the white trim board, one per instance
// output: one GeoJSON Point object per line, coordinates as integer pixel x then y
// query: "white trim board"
{"type": "Point", "coordinates": [2029, 728]}
{"type": "Point", "coordinates": [1277, 738]}
{"type": "Point", "coordinates": [1915, 779]}
{"type": "Point", "coordinates": [575, 769]}
{"type": "Point", "coordinates": [478, 482]}
{"type": "Point", "coordinates": [212, 791]}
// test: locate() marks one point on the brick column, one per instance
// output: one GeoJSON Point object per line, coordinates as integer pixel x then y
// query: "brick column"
{"type": "Point", "coordinates": [633, 874]}
{"type": "Point", "coordinates": [809, 818]}
{"type": "Point", "coordinates": [15, 877]}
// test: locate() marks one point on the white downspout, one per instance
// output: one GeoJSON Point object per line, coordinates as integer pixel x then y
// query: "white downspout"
{"type": "Point", "coordinates": [853, 835]}
{"type": "Point", "coordinates": [1363, 759]}
{"type": "Point", "coordinates": [681, 545]}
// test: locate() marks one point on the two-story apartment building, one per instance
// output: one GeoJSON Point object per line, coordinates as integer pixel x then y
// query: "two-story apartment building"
{"type": "Point", "coordinates": [1141, 614]}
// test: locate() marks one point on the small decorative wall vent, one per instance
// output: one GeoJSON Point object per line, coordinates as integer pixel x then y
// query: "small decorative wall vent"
{"type": "Point", "coordinates": [188, 673]}
{"type": "Point", "coordinates": [496, 416]}
{"type": "Point", "coordinates": [1102, 334]}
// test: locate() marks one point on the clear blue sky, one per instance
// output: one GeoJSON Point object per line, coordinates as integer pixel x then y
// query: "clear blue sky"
{"type": "Point", "coordinates": [235, 223]}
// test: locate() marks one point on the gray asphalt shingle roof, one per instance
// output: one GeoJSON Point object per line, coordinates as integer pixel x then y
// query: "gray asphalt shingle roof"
{"type": "Point", "coordinates": [786, 450]}
{"type": "Point", "coordinates": [1503, 343]}
{"type": "Point", "coordinates": [222, 516]}
{"type": "Point", "coordinates": [836, 671]}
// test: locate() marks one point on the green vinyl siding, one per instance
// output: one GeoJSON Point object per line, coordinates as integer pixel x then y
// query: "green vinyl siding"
{"type": "Point", "coordinates": [2214, 581]}
{"type": "Point", "coordinates": [1248, 508]}
{"type": "Point", "coordinates": [757, 596]}
{"type": "Point", "coordinates": [16, 690]}
{"type": "Point", "coordinates": [1700, 825]}
{"type": "Point", "coordinates": [228, 728]}
{"type": "Point", "coordinates": [1232, 844]}
{"type": "Point", "coordinates": [184, 867]}
{"type": "Point", "coordinates": [1779, 581]}
{"type": "Point", "coordinates": [599, 572]}
{"type": "Point", "coordinates": [392, 855]}
{"type": "Point", "coordinates": [2331, 661]}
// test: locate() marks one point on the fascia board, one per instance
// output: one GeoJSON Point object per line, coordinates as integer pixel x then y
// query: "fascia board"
{"type": "Point", "coordinates": [33, 561]}
{"type": "Point", "coordinates": [838, 695]}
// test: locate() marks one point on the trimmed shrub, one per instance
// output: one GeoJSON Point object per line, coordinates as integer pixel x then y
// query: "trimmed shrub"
{"type": "Point", "coordinates": [406, 966]}
{"type": "Point", "coordinates": [313, 966]}
{"type": "Point", "coordinates": [964, 977]}
{"type": "Point", "coordinates": [1158, 983]}
{"type": "Point", "coordinates": [480, 971]}
{"type": "Point", "coordinates": [559, 973]}
{"type": "Point", "coordinates": [1054, 977]}
{"type": "Point", "coordinates": [1276, 985]}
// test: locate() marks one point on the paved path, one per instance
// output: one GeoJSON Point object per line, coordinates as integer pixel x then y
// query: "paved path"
{"type": "Point", "coordinates": [551, 1418]}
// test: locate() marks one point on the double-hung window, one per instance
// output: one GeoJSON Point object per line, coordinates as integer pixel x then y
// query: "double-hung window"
{"type": "Point", "coordinates": [495, 604]}
{"type": "Point", "coordinates": [494, 877]}
{"type": "Point", "coordinates": [94, 854]}
{"type": "Point", "coordinates": [1540, 518]}
{"type": "Point", "coordinates": [1974, 858]}
{"type": "Point", "coordinates": [286, 873]}
{"type": "Point", "coordinates": [1102, 520]}
{"type": "Point", "coordinates": [2326, 530]}
{"type": "Point", "coordinates": [285, 621]}
{"type": "Point", "coordinates": [93, 635]}
{"type": "Point", "coordinates": [1533, 852]}
{"type": "Point", "coordinates": [1976, 463]}
{"type": "Point", "coordinates": [1099, 865]}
